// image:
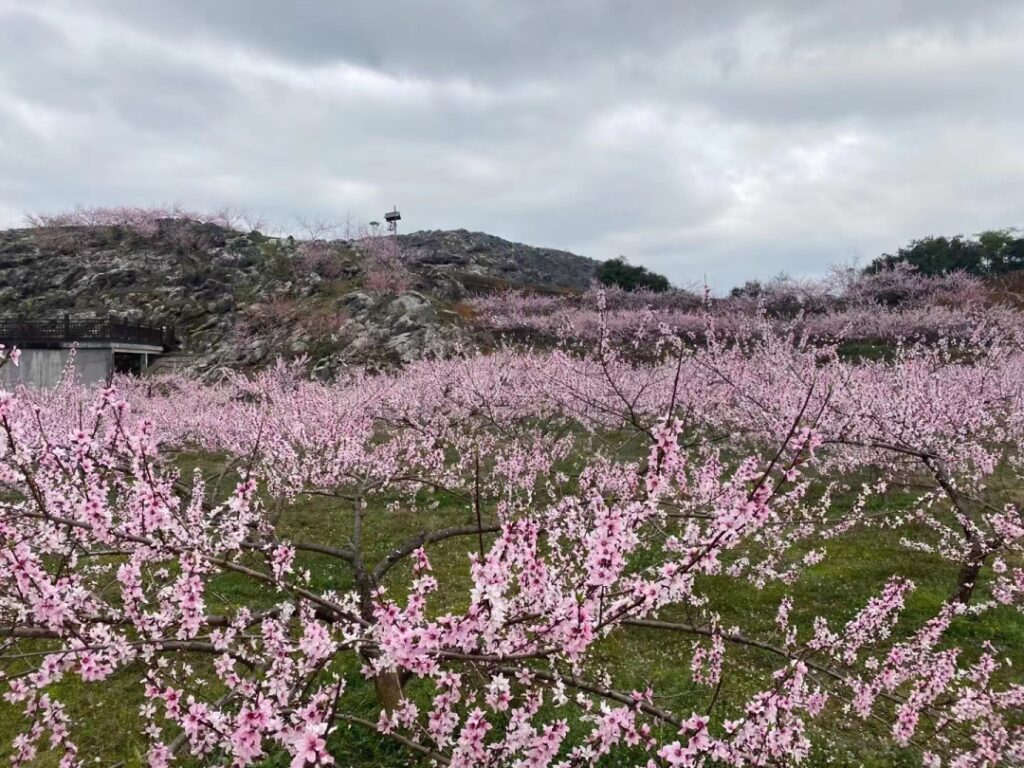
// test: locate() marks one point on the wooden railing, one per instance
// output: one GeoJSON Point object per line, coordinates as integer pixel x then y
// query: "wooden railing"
{"type": "Point", "coordinates": [28, 333]}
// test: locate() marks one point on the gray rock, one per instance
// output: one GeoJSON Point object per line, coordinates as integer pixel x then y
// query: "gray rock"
{"type": "Point", "coordinates": [410, 303]}
{"type": "Point", "coordinates": [255, 353]}
{"type": "Point", "coordinates": [357, 301]}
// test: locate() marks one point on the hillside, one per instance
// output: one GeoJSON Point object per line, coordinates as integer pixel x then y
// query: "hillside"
{"type": "Point", "coordinates": [475, 260]}
{"type": "Point", "coordinates": [239, 299]}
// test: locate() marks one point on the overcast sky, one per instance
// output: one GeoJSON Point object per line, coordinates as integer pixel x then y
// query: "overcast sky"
{"type": "Point", "coordinates": [711, 138]}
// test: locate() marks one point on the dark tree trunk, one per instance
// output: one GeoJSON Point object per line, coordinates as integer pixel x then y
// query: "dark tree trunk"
{"type": "Point", "coordinates": [967, 579]}
{"type": "Point", "coordinates": [389, 690]}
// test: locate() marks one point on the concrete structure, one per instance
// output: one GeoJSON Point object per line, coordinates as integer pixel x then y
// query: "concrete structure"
{"type": "Point", "coordinates": [100, 347]}
{"type": "Point", "coordinates": [95, 362]}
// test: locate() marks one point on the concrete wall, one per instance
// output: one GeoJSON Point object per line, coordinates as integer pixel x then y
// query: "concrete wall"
{"type": "Point", "coordinates": [43, 367]}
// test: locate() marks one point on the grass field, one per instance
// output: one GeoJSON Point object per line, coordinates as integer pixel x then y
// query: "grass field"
{"type": "Point", "coordinates": [856, 567]}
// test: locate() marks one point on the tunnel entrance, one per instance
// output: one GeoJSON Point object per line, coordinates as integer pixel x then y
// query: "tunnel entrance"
{"type": "Point", "coordinates": [132, 363]}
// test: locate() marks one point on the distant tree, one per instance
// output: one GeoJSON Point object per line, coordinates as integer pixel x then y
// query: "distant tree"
{"type": "Point", "coordinates": [750, 289]}
{"type": "Point", "coordinates": [989, 253]}
{"type": "Point", "coordinates": [1004, 250]}
{"type": "Point", "coordinates": [620, 272]}
{"type": "Point", "coordinates": [937, 255]}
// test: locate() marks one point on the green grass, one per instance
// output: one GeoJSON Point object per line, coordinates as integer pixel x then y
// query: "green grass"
{"type": "Point", "coordinates": [866, 349]}
{"type": "Point", "coordinates": [855, 568]}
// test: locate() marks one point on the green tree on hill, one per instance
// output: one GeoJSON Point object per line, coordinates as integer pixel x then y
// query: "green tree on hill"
{"type": "Point", "coordinates": [620, 272]}
{"type": "Point", "coordinates": [987, 254]}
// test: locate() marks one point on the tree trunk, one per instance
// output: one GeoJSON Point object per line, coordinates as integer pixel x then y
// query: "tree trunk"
{"type": "Point", "coordinates": [387, 683]}
{"type": "Point", "coordinates": [967, 579]}
{"type": "Point", "coordinates": [389, 690]}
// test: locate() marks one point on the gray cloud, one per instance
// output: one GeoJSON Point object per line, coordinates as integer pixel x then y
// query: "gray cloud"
{"type": "Point", "coordinates": [722, 139]}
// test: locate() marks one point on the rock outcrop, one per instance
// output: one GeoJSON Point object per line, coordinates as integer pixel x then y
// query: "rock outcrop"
{"type": "Point", "coordinates": [460, 261]}
{"type": "Point", "coordinates": [241, 300]}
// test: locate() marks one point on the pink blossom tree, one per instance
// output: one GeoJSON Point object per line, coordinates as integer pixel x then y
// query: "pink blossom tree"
{"type": "Point", "coordinates": [385, 270]}
{"type": "Point", "coordinates": [595, 497]}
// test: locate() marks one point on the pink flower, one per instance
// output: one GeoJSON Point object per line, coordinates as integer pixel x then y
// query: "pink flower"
{"type": "Point", "coordinates": [310, 747]}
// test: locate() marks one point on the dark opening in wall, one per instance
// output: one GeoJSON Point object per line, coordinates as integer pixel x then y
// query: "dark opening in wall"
{"type": "Point", "coordinates": [128, 362]}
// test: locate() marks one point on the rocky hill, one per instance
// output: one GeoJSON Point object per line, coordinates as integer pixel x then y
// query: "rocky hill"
{"type": "Point", "coordinates": [477, 261]}
{"type": "Point", "coordinates": [237, 299]}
